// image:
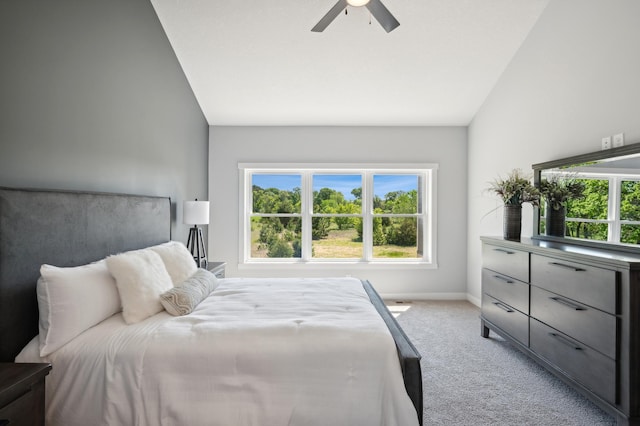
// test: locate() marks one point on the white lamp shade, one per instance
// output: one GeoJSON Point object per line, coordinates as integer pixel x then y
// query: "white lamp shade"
{"type": "Point", "coordinates": [196, 213]}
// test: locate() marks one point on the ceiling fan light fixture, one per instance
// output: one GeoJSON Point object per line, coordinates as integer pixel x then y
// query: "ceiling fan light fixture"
{"type": "Point", "coordinates": [357, 3]}
{"type": "Point", "coordinates": [376, 8]}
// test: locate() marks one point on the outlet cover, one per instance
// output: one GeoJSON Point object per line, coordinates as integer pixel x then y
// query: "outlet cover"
{"type": "Point", "coordinates": [606, 142]}
{"type": "Point", "coordinates": [618, 140]}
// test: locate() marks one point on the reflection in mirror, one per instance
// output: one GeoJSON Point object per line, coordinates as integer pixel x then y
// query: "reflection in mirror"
{"type": "Point", "coordinates": [604, 205]}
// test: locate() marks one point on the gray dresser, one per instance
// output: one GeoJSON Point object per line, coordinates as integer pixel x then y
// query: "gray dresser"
{"type": "Point", "coordinates": [574, 309]}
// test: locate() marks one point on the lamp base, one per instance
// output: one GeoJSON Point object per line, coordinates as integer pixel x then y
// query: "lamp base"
{"type": "Point", "coordinates": [195, 244]}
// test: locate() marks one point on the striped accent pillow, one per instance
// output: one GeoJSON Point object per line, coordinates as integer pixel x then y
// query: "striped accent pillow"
{"type": "Point", "coordinates": [184, 297]}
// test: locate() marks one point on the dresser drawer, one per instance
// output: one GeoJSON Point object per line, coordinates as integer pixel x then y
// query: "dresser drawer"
{"type": "Point", "coordinates": [507, 261]}
{"type": "Point", "coordinates": [588, 325]}
{"type": "Point", "coordinates": [506, 289]}
{"type": "Point", "coordinates": [515, 323]}
{"type": "Point", "coordinates": [590, 285]}
{"type": "Point", "coordinates": [588, 367]}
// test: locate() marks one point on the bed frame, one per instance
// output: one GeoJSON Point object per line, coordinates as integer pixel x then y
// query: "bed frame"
{"type": "Point", "coordinates": [69, 228]}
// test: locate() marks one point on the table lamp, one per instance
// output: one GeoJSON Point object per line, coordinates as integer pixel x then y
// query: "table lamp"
{"type": "Point", "coordinates": [196, 213]}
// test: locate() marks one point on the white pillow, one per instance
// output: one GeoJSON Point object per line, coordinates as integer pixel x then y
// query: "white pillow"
{"type": "Point", "coordinates": [71, 300]}
{"type": "Point", "coordinates": [177, 259]}
{"type": "Point", "coordinates": [141, 278]}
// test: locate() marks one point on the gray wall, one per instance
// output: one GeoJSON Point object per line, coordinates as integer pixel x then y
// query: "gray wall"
{"type": "Point", "coordinates": [575, 80]}
{"type": "Point", "coordinates": [446, 146]}
{"type": "Point", "coordinates": [92, 97]}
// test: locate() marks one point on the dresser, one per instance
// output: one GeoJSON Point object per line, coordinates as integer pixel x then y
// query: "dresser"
{"type": "Point", "coordinates": [22, 393]}
{"type": "Point", "coordinates": [574, 309]}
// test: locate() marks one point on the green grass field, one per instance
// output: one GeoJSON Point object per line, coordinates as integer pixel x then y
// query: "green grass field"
{"type": "Point", "coordinates": [341, 244]}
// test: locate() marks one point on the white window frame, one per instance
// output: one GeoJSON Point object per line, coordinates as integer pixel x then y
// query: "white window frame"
{"type": "Point", "coordinates": [429, 209]}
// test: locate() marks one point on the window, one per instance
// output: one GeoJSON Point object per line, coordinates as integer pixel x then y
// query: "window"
{"type": "Point", "coordinates": [326, 214]}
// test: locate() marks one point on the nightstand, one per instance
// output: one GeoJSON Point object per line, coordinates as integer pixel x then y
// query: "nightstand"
{"type": "Point", "coordinates": [22, 393]}
{"type": "Point", "coordinates": [217, 268]}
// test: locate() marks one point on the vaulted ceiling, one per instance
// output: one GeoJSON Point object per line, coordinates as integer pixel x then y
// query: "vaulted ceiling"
{"type": "Point", "coordinates": [257, 62]}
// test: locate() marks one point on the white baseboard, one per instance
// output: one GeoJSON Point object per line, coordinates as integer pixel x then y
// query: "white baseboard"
{"type": "Point", "coordinates": [474, 300]}
{"type": "Point", "coordinates": [424, 296]}
{"type": "Point", "coordinates": [405, 297]}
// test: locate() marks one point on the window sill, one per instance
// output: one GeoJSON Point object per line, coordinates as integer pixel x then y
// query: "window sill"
{"type": "Point", "coordinates": [355, 265]}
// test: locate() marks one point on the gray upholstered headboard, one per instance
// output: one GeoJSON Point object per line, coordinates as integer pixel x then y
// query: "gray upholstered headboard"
{"type": "Point", "coordinates": [64, 228]}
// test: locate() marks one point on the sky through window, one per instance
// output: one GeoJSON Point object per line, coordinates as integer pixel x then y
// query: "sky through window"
{"type": "Point", "coordinates": [382, 184]}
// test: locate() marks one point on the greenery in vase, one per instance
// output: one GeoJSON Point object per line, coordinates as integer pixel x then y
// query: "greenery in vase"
{"type": "Point", "coordinates": [557, 190]}
{"type": "Point", "coordinates": [515, 189]}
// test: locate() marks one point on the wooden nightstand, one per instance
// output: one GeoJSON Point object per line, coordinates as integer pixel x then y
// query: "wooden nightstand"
{"type": "Point", "coordinates": [22, 393]}
{"type": "Point", "coordinates": [217, 268]}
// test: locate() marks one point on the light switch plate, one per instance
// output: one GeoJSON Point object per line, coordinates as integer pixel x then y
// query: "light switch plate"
{"type": "Point", "coordinates": [618, 140]}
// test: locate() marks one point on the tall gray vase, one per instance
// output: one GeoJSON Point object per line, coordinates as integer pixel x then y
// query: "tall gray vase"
{"type": "Point", "coordinates": [512, 225]}
{"type": "Point", "coordinates": [555, 221]}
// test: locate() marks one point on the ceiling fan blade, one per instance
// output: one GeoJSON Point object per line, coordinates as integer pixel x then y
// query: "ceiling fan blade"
{"type": "Point", "coordinates": [382, 15]}
{"type": "Point", "coordinates": [330, 16]}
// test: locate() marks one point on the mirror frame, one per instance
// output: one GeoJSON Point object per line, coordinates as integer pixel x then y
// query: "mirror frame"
{"type": "Point", "coordinates": [577, 159]}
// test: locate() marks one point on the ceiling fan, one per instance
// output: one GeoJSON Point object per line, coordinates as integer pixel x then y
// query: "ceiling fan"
{"type": "Point", "coordinates": [377, 9]}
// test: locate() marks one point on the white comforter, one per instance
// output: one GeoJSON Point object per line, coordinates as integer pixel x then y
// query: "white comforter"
{"type": "Point", "coordinates": [255, 352]}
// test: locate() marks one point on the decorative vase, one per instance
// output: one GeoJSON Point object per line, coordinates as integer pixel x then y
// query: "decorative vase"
{"type": "Point", "coordinates": [512, 225]}
{"type": "Point", "coordinates": [554, 222]}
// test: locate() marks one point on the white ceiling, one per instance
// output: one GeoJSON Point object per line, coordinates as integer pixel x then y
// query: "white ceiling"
{"type": "Point", "coordinates": [256, 62]}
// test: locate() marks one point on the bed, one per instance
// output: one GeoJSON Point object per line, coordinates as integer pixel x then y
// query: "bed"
{"type": "Point", "coordinates": [76, 228]}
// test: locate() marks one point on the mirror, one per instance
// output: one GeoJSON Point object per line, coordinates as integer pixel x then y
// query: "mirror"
{"type": "Point", "coordinates": [607, 213]}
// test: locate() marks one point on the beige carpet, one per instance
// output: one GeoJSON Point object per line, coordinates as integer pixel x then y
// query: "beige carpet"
{"type": "Point", "coordinates": [469, 380]}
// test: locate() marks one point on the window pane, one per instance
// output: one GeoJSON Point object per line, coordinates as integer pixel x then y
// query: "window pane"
{"type": "Point", "coordinates": [630, 234]}
{"type": "Point", "coordinates": [395, 237]}
{"type": "Point", "coordinates": [333, 242]}
{"type": "Point", "coordinates": [337, 194]}
{"type": "Point", "coordinates": [594, 204]}
{"type": "Point", "coordinates": [587, 230]}
{"type": "Point", "coordinates": [276, 237]}
{"type": "Point", "coordinates": [630, 201]}
{"type": "Point", "coordinates": [395, 193]}
{"type": "Point", "coordinates": [276, 193]}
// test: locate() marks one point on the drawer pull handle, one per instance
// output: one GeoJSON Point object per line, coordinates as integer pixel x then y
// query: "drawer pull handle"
{"type": "Point", "coordinates": [565, 302]}
{"type": "Point", "coordinates": [562, 265]}
{"type": "Point", "coordinates": [505, 251]}
{"type": "Point", "coordinates": [503, 307]}
{"type": "Point", "coordinates": [566, 341]}
{"type": "Point", "coordinates": [505, 279]}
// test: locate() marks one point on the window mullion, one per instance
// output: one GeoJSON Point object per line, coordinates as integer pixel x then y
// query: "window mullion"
{"type": "Point", "coordinates": [307, 207]}
{"type": "Point", "coordinates": [614, 209]}
{"type": "Point", "coordinates": [367, 216]}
